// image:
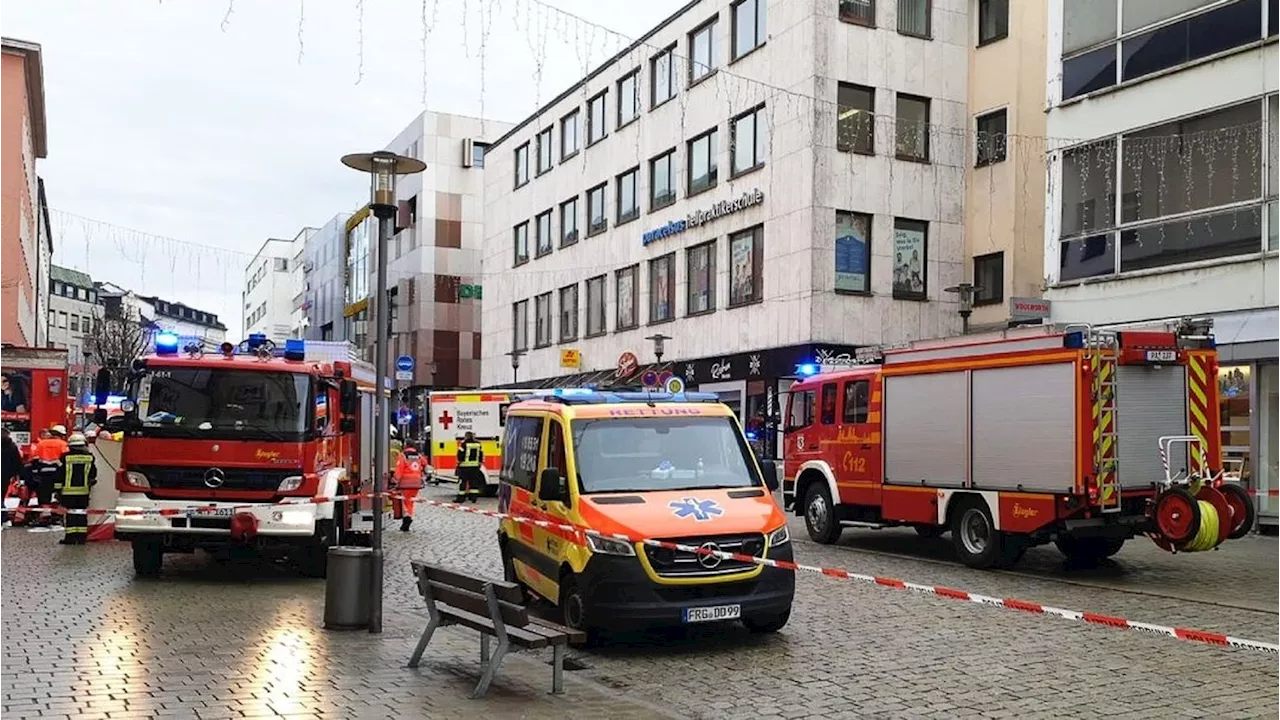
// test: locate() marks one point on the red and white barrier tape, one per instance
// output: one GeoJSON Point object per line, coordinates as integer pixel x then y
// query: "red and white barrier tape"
{"type": "Point", "coordinates": [190, 510]}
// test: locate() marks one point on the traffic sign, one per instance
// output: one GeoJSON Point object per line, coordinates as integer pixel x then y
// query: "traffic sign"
{"type": "Point", "coordinates": [404, 375]}
{"type": "Point", "coordinates": [404, 363]}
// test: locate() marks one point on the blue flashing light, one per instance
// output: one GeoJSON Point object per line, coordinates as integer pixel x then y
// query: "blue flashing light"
{"type": "Point", "coordinates": [166, 343]}
{"type": "Point", "coordinates": [752, 436]}
{"type": "Point", "coordinates": [1073, 341]}
{"type": "Point", "coordinates": [255, 341]}
{"type": "Point", "coordinates": [807, 369]}
{"type": "Point", "coordinates": [295, 349]}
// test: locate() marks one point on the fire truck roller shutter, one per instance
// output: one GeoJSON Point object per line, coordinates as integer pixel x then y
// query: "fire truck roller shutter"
{"type": "Point", "coordinates": [330, 482]}
{"type": "Point", "coordinates": [1150, 402]}
{"type": "Point", "coordinates": [926, 429]}
{"type": "Point", "coordinates": [1024, 427]}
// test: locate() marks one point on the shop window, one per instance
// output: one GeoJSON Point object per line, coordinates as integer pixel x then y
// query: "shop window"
{"type": "Point", "coordinates": [1269, 412]}
{"type": "Point", "coordinates": [1234, 406]}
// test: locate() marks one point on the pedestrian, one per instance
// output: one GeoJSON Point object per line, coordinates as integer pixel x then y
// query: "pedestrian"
{"type": "Point", "coordinates": [46, 466]}
{"type": "Point", "coordinates": [408, 481]}
{"type": "Point", "coordinates": [12, 458]}
{"type": "Point", "coordinates": [79, 475]}
{"type": "Point", "coordinates": [470, 472]}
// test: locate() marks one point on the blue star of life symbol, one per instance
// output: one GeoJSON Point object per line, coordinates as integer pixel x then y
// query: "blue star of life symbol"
{"type": "Point", "coordinates": [699, 510]}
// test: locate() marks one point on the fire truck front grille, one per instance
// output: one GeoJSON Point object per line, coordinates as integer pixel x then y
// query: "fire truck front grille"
{"type": "Point", "coordinates": [200, 478]}
{"type": "Point", "coordinates": [680, 563]}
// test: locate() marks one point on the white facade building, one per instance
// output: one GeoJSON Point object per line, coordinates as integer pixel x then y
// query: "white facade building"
{"type": "Point", "coordinates": [271, 286]}
{"type": "Point", "coordinates": [73, 310]}
{"type": "Point", "coordinates": [1165, 205]}
{"type": "Point", "coordinates": [781, 182]}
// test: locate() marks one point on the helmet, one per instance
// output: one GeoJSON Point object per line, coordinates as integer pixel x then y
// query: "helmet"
{"type": "Point", "coordinates": [77, 440]}
{"type": "Point", "coordinates": [59, 429]}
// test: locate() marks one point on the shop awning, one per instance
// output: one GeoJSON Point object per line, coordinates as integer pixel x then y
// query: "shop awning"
{"type": "Point", "coordinates": [1247, 335]}
{"type": "Point", "coordinates": [599, 379]}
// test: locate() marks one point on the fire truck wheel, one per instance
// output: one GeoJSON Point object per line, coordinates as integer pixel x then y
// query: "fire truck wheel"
{"type": "Point", "coordinates": [820, 514]}
{"type": "Point", "coordinates": [977, 542]}
{"type": "Point", "coordinates": [148, 558]}
{"type": "Point", "coordinates": [313, 560]}
{"type": "Point", "coordinates": [1243, 513]}
{"type": "Point", "coordinates": [1088, 549]}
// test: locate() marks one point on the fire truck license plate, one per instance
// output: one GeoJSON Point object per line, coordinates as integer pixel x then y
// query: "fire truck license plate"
{"type": "Point", "coordinates": [1162, 356]}
{"type": "Point", "coordinates": [214, 512]}
{"type": "Point", "coordinates": [712, 614]}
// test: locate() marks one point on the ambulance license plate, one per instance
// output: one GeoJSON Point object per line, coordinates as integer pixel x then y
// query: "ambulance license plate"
{"type": "Point", "coordinates": [715, 613]}
{"type": "Point", "coordinates": [1162, 356]}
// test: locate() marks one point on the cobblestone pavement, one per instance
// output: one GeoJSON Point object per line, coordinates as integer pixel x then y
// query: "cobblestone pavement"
{"type": "Point", "coordinates": [213, 639]}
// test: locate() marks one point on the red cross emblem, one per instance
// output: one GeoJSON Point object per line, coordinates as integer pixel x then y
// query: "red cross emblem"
{"type": "Point", "coordinates": [445, 419]}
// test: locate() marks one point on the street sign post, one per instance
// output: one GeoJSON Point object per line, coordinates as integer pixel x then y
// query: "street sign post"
{"type": "Point", "coordinates": [404, 368]}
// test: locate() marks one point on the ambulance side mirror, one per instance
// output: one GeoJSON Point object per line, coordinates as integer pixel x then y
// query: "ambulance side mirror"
{"type": "Point", "coordinates": [551, 486]}
{"type": "Point", "coordinates": [348, 397]}
{"type": "Point", "coordinates": [769, 469]}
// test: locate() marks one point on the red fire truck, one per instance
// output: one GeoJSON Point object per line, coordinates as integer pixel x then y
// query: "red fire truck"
{"type": "Point", "coordinates": [1076, 436]}
{"type": "Point", "coordinates": [247, 424]}
{"type": "Point", "coordinates": [34, 391]}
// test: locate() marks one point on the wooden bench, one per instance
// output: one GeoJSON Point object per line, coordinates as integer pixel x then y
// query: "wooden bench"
{"type": "Point", "coordinates": [493, 607]}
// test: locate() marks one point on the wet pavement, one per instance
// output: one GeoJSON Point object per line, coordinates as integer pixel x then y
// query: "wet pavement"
{"type": "Point", "coordinates": [243, 638]}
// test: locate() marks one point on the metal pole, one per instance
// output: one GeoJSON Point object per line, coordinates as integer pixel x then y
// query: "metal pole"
{"type": "Point", "coordinates": [381, 426]}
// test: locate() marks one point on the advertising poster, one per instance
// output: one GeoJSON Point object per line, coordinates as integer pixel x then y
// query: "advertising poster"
{"type": "Point", "coordinates": [909, 262]}
{"type": "Point", "coordinates": [741, 273]}
{"type": "Point", "coordinates": [627, 297]}
{"type": "Point", "coordinates": [853, 256]}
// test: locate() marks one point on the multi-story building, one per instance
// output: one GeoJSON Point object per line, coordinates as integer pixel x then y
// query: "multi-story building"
{"type": "Point", "coordinates": [767, 184]}
{"type": "Point", "coordinates": [360, 232]}
{"type": "Point", "coordinates": [25, 244]}
{"type": "Point", "coordinates": [73, 310]}
{"type": "Point", "coordinates": [270, 287]}
{"type": "Point", "coordinates": [1004, 175]}
{"type": "Point", "coordinates": [188, 323]}
{"type": "Point", "coordinates": [324, 280]}
{"type": "Point", "coordinates": [1165, 205]}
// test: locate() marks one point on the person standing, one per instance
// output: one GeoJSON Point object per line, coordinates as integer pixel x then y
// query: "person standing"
{"type": "Point", "coordinates": [46, 466]}
{"type": "Point", "coordinates": [12, 457]}
{"type": "Point", "coordinates": [79, 475]}
{"type": "Point", "coordinates": [408, 481]}
{"type": "Point", "coordinates": [470, 474]}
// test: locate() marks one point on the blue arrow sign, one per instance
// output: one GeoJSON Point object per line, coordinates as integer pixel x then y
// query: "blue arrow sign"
{"type": "Point", "coordinates": [404, 363]}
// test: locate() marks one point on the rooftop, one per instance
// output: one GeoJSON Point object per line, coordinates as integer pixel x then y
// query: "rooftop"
{"type": "Point", "coordinates": [67, 276]}
{"type": "Point", "coordinates": [33, 70]}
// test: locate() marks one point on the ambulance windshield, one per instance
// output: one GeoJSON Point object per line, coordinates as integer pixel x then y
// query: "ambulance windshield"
{"type": "Point", "coordinates": [661, 453]}
{"type": "Point", "coordinates": [225, 404]}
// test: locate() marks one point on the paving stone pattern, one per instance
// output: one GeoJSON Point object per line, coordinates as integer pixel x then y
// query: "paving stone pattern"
{"type": "Point", "coordinates": [233, 639]}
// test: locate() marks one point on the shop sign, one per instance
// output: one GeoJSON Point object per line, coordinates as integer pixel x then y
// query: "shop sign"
{"type": "Point", "coordinates": [1021, 308]}
{"type": "Point", "coordinates": [700, 217]}
{"type": "Point", "coordinates": [722, 369]}
{"type": "Point", "coordinates": [470, 292]}
{"type": "Point", "coordinates": [571, 358]}
{"type": "Point", "coordinates": [627, 364]}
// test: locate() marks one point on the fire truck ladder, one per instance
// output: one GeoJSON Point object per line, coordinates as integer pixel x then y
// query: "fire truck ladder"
{"type": "Point", "coordinates": [1102, 350]}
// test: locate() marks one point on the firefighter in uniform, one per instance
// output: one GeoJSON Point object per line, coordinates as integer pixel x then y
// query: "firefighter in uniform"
{"type": "Point", "coordinates": [79, 474]}
{"type": "Point", "coordinates": [408, 481]}
{"type": "Point", "coordinates": [46, 465]}
{"type": "Point", "coordinates": [470, 474]}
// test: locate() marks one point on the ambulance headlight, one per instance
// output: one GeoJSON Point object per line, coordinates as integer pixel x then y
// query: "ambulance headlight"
{"type": "Point", "coordinates": [609, 546]}
{"type": "Point", "coordinates": [781, 536]}
{"type": "Point", "coordinates": [289, 484]}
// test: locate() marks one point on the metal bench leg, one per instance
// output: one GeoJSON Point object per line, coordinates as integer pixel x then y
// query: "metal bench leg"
{"type": "Point", "coordinates": [484, 648]}
{"type": "Point", "coordinates": [491, 668]}
{"type": "Point", "coordinates": [426, 636]}
{"type": "Point", "coordinates": [557, 670]}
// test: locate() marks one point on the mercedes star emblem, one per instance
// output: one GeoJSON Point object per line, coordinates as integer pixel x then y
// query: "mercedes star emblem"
{"type": "Point", "coordinates": [214, 477]}
{"type": "Point", "coordinates": [710, 562]}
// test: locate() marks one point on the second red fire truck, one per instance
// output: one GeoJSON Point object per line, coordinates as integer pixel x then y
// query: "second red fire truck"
{"type": "Point", "coordinates": [1075, 436]}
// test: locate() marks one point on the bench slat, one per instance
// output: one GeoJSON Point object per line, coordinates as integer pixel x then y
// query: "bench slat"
{"type": "Point", "coordinates": [512, 615]}
{"type": "Point", "coordinates": [483, 624]}
{"type": "Point", "coordinates": [554, 629]}
{"type": "Point", "coordinates": [507, 591]}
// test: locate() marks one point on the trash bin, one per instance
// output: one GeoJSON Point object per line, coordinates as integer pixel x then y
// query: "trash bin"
{"type": "Point", "coordinates": [346, 590]}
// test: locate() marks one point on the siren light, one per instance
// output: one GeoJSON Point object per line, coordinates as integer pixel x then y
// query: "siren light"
{"type": "Point", "coordinates": [807, 369]}
{"type": "Point", "coordinates": [295, 349]}
{"type": "Point", "coordinates": [166, 343]}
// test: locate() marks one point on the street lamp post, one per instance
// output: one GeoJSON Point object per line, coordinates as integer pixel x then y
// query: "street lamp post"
{"type": "Point", "coordinates": [515, 365]}
{"type": "Point", "coordinates": [659, 345]}
{"type": "Point", "coordinates": [966, 291]}
{"type": "Point", "coordinates": [383, 167]}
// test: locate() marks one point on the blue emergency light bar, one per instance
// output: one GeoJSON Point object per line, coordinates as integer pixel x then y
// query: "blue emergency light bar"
{"type": "Point", "coordinates": [806, 370]}
{"type": "Point", "coordinates": [585, 396]}
{"type": "Point", "coordinates": [295, 349]}
{"type": "Point", "coordinates": [166, 343]}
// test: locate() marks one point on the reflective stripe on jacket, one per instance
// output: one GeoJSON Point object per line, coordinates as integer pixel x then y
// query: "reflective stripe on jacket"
{"type": "Point", "coordinates": [470, 455]}
{"type": "Point", "coordinates": [78, 475]}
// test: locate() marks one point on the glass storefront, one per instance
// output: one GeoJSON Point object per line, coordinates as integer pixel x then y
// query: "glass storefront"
{"type": "Point", "coordinates": [1234, 405]}
{"type": "Point", "coordinates": [1268, 402]}
{"type": "Point", "coordinates": [1249, 410]}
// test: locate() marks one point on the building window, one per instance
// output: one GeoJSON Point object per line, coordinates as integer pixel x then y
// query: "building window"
{"type": "Point", "coordinates": [626, 289]}
{"type": "Point", "coordinates": [542, 320]}
{"type": "Point", "coordinates": [478, 150]}
{"type": "Point", "coordinates": [520, 325]}
{"type": "Point", "coordinates": [521, 238]}
{"type": "Point", "coordinates": [53, 318]}
{"type": "Point", "coordinates": [75, 323]}
{"type": "Point", "coordinates": [855, 119]}
{"type": "Point", "coordinates": [748, 135]}
{"type": "Point", "coordinates": [913, 17]}
{"type": "Point", "coordinates": [281, 264]}
{"type": "Point", "coordinates": [853, 252]}
{"type": "Point", "coordinates": [858, 12]}
{"type": "Point", "coordinates": [1230, 26]}
{"type": "Point", "coordinates": [993, 20]}
{"type": "Point", "coordinates": [628, 202]}
{"type": "Point", "coordinates": [748, 26]}
{"type": "Point", "coordinates": [701, 273]}
{"type": "Point", "coordinates": [628, 97]}
{"type": "Point", "coordinates": [702, 162]}
{"type": "Point", "coordinates": [988, 275]}
{"type": "Point", "coordinates": [569, 222]}
{"type": "Point", "coordinates": [596, 128]}
{"type": "Point", "coordinates": [992, 137]}
{"type": "Point", "coordinates": [746, 266]}
{"type": "Point", "coordinates": [569, 313]}
{"type": "Point", "coordinates": [910, 259]}
{"type": "Point", "coordinates": [569, 135]}
{"type": "Point", "coordinates": [597, 221]}
{"type": "Point", "coordinates": [544, 151]}
{"type": "Point", "coordinates": [662, 75]}
{"type": "Point", "coordinates": [62, 320]}
{"type": "Point", "coordinates": [542, 233]}
{"type": "Point", "coordinates": [597, 316]}
{"type": "Point", "coordinates": [913, 128]}
{"type": "Point", "coordinates": [702, 51]}
{"type": "Point", "coordinates": [662, 288]}
{"type": "Point", "coordinates": [662, 180]}
{"type": "Point", "coordinates": [522, 164]}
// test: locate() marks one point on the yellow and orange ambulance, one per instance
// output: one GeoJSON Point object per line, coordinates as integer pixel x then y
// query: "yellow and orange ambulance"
{"type": "Point", "coordinates": [455, 413]}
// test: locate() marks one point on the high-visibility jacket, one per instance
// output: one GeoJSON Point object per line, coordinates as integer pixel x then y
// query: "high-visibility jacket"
{"type": "Point", "coordinates": [79, 473]}
{"type": "Point", "coordinates": [470, 454]}
{"type": "Point", "coordinates": [409, 472]}
{"type": "Point", "coordinates": [51, 450]}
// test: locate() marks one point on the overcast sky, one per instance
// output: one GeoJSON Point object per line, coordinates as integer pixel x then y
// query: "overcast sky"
{"type": "Point", "coordinates": [178, 119]}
